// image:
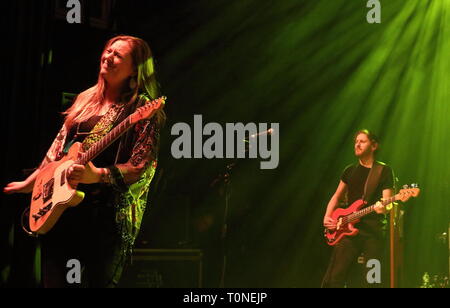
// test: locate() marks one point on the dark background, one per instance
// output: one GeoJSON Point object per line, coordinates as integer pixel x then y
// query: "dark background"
{"type": "Point", "coordinates": [215, 58]}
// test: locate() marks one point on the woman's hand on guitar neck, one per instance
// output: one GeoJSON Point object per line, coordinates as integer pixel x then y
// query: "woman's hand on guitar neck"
{"type": "Point", "coordinates": [88, 174]}
{"type": "Point", "coordinates": [329, 223]}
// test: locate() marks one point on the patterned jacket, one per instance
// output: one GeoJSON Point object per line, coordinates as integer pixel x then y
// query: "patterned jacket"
{"type": "Point", "coordinates": [139, 147]}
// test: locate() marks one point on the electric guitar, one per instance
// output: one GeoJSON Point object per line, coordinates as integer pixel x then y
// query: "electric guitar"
{"type": "Point", "coordinates": [347, 218]}
{"type": "Point", "coordinates": [52, 194]}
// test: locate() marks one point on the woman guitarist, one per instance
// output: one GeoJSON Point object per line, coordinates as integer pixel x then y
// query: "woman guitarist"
{"type": "Point", "coordinates": [101, 230]}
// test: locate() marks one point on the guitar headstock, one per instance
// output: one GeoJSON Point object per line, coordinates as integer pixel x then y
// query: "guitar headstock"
{"type": "Point", "coordinates": [407, 192]}
{"type": "Point", "coordinates": [148, 109]}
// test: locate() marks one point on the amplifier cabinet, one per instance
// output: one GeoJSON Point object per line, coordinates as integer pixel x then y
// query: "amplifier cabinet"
{"type": "Point", "coordinates": [164, 268]}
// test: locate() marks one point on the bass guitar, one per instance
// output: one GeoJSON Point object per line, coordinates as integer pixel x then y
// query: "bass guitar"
{"type": "Point", "coordinates": [347, 218]}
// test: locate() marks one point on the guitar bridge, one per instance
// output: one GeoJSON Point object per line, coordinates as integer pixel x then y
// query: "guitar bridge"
{"type": "Point", "coordinates": [43, 211]}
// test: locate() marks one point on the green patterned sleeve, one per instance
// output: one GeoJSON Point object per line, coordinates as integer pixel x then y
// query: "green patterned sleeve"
{"type": "Point", "coordinates": [143, 156]}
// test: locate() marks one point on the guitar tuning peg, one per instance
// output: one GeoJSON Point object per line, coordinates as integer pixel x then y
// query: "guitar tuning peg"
{"type": "Point", "coordinates": [405, 186]}
{"type": "Point", "coordinates": [414, 185]}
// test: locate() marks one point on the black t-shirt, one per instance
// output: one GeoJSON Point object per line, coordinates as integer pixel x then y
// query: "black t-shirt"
{"type": "Point", "coordinates": [355, 177]}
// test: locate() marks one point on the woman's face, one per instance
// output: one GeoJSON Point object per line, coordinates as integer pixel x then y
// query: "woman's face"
{"type": "Point", "coordinates": [117, 63]}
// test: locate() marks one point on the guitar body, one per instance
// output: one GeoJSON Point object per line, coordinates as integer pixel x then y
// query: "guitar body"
{"type": "Point", "coordinates": [334, 236]}
{"type": "Point", "coordinates": [52, 194]}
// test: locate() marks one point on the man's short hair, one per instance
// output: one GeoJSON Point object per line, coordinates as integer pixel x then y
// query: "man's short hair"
{"type": "Point", "coordinates": [372, 137]}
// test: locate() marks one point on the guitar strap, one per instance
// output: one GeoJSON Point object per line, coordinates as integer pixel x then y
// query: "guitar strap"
{"type": "Point", "coordinates": [372, 180]}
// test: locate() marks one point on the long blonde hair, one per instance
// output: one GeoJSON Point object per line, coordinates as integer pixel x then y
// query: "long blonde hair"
{"type": "Point", "coordinates": [89, 102]}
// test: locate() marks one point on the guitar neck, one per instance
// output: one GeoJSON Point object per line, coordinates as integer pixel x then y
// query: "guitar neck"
{"type": "Point", "coordinates": [103, 143]}
{"type": "Point", "coordinates": [367, 210]}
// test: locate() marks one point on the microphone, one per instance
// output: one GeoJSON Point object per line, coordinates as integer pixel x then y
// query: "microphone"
{"type": "Point", "coordinates": [270, 131]}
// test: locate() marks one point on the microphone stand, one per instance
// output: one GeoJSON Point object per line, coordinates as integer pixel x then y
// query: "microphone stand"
{"type": "Point", "coordinates": [226, 176]}
{"type": "Point", "coordinates": [224, 230]}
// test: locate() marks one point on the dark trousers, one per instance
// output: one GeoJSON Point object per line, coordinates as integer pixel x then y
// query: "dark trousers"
{"type": "Point", "coordinates": [87, 234]}
{"type": "Point", "coordinates": [344, 260]}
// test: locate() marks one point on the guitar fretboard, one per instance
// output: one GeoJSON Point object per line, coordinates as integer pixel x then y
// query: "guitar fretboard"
{"type": "Point", "coordinates": [357, 215]}
{"type": "Point", "coordinates": [103, 143]}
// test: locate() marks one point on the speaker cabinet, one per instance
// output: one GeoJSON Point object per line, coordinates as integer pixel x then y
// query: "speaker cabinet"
{"type": "Point", "coordinates": [164, 268]}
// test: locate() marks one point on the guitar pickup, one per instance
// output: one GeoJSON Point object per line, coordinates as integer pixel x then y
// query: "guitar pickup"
{"type": "Point", "coordinates": [63, 177]}
{"type": "Point", "coordinates": [43, 211]}
{"type": "Point", "coordinates": [48, 190]}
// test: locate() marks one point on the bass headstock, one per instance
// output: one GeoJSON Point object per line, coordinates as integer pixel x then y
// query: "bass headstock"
{"type": "Point", "coordinates": [408, 191]}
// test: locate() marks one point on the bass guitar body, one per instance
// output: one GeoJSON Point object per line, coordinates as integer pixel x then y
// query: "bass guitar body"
{"type": "Point", "coordinates": [347, 218]}
{"type": "Point", "coordinates": [342, 228]}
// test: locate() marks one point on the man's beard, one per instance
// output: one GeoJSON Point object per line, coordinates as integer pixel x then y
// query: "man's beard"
{"type": "Point", "coordinates": [362, 153]}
